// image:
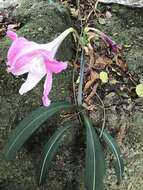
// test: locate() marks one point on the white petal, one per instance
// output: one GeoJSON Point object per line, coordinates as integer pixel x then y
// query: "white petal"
{"type": "Point", "coordinates": [37, 66]}
{"type": "Point", "coordinates": [54, 45]}
{"type": "Point", "coordinates": [31, 82]}
{"type": "Point", "coordinates": [37, 70]}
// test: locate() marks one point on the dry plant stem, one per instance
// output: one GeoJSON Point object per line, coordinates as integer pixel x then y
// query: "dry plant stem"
{"type": "Point", "coordinates": [87, 29]}
{"type": "Point", "coordinates": [94, 76]}
{"type": "Point", "coordinates": [94, 9]}
{"type": "Point", "coordinates": [96, 4]}
{"type": "Point", "coordinates": [92, 56]}
{"type": "Point", "coordinates": [93, 92]}
{"type": "Point", "coordinates": [72, 116]}
{"type": "Point", "coordinates": [88, 16]}
{"type": "Point", "coordinates": [104, 115]}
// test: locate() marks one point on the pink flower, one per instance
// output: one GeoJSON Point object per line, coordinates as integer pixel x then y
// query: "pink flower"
{"type": "Point", "coordinates": [37, 60]}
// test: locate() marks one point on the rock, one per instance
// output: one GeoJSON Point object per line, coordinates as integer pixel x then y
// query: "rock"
{"type": "Point", "coordinates": [134, 59]}
{"type": "Point", "coordinates": [8, 3]}
{"type": "Point", "coordinates": [132, 3]}
{"type": "Point", "coordinates": [136, 129]}
{"type": "Point", "coordinates": [41, 21]}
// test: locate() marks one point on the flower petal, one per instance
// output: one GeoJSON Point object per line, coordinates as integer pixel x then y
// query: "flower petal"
{"type": "Point", "coordinates": [15, 49]}
{"type": "Point", "coordinates": [31, 82]}
{"type": "Point", "coordinates": [12, 35]}
{"type": "Point", "coordinates": [20, 47]}
{"type": "Point", "coordinates": [20, 71]}
{"type": "Point", "coordinates": [55, 66]}
{"type": "Point", "coordinates": [54, 45]}
{"type": "Point", "coordinates": [47, 89]}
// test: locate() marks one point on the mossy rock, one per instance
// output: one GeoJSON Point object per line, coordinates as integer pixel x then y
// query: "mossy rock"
{"type": "Point", "coordinates": [45, 22]}
{"type": "Point", "coordinates": [41, 22]}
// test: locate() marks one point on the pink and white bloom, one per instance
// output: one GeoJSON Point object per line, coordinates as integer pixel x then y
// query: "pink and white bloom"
{"type": "Point", "coordinates": [37, 60]}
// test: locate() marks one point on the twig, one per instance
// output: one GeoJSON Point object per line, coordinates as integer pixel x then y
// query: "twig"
{"type": "Point", "coordinates": [72, 116]}
{"type": "Point", "coordinates": [96, 4]}
{"type": "Point", "coordinates": [93, 10]}
{"type": "Point", "coordinates": [93, 92]}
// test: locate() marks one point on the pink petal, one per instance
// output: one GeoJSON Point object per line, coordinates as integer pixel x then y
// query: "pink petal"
{"type": "Point", "coordinates": [53, 65]}
{"type": "Point", "coordinates": [20, 71]}
{"type": "Point", "coordinates": [56, 66]}
{"type": "Point", "coordinates": [47, 89]}
{"type": "Point", "coordinates": [24, 59]}
{"type": "Point", "coordinates": [12, 35]}
{"type": "Point", "coordinates": [19, 47]}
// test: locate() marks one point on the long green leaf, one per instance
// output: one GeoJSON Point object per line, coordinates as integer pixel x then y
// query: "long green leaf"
{"type": "Point", "coordinates": [49, 151]}
{"type": "Point", "coordinates": [29, 125]}
{"type": "Point", "coordinates": [114, 148]}
{"type": "Point", "coordinates": [95, 162]}
{"type": "Point", "coordinates": [80, 87]}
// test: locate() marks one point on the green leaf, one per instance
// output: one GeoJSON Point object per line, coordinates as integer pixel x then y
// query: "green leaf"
{"type": "Point", "coordinates": [139, 90]}
{"type": "Point", "coordinates": [29, 125]}
{"type": "Point", "coordinates": [114, 148]}
{"type": "Point", "coordinates": [95, 162]}
{"type": "Point", "coordinates": [80, 87]}
{"type": "Point", "coordinates": [49, 152]}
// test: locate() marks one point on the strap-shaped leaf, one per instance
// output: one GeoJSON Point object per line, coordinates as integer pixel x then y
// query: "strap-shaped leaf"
{"type": "Point", "coordinates": [114, 148]}
{"type": "Point", "coordinates": [49, 152]}
{"type": "Point", "coordinates": [95, 162]}
{"type": "Point", "coordinates": [80, 87]}
{"type": "Point", "coordinates": [29, 125]}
